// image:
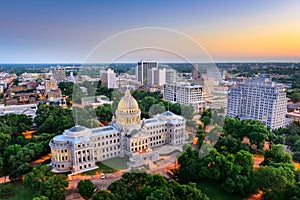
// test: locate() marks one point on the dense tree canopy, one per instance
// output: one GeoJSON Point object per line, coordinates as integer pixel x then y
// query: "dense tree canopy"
{"type": "Point", "coordinates": [277, 154]}
{"type": "Point", "coordinates": [16, 152]}
{"type": "Point", "coordinates": [14, 125]}
{"type": "Point", "coordinates": [272, 180]}
{"type": "Point", "coordinates": [66, 88]}
{"type": "Point", "coordinates": [187, 111]}
{"type": "Point", "coordinates": [156, 109]}
{"type": "Point", "coordinates": [45, 183]}
{"type": "Point", "coordinates": [86, 188]}
{"type": "Point", "coordinates": [148, 187]}
{"type": "Point", "coordinates": [234, 171]}
{"type": "Point", "coordinates": [53, 119]}
{"type": "Point", "coordinates": [6, 190]}
{"type": "Point", "coordinates": [104, 195]}
{"type": "Point", "coordinates": [295, 97]}
{"type": "Point", "coordinates": [291, 136]}
{"type": "Point", "coordinates": [253, 129]}
{"type": "Point", "coordinates": [104, 113]}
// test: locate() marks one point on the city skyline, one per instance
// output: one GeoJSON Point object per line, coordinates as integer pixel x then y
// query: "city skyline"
{"type": "Point", "coordinates": [61, 32]}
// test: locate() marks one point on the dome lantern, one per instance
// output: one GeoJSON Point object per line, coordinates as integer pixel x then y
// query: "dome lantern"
{"type": "Point", "coordinates": [128, 112]}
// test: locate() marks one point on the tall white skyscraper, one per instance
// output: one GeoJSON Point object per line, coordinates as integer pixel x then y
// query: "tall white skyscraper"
{"type": "Point", "coordinates": [260, 99]}
{"type": "Point", "coordinates": [144, 71]}
{"type": "Point", "coordinates": [108, 78]}
{"type": "Point", "coordinates": [185, 93]}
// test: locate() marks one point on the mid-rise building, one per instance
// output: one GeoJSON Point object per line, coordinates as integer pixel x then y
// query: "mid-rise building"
{"type": "Point", "coordinates": [27, 109]}
{"type": "Point", "coordinates": [95, 101]}
{"type": "Point", "coordinates": [59, 73]}
{"type": "Point", "coordinates": [185, 93]}
{"type": "Point", "coordinates": [144, 71]}
{"type": "Point", "coordinates": [50, 84]}
{"type": "Point", "coordinates": [108, 78]}
{"type": "Point", "coordinates": [171, 76]}
{"type": "Point", "coordinates": [216, 100]}
{"type": "Point", "coordinates": [52, 94]}
{"type": "Point", "coordinates": [214, 95]}
{"type": "Point", "coordinates": [261, 99]}
{"type": "Point", "coordinates": [158, 76]}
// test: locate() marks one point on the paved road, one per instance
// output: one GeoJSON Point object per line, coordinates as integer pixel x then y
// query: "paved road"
{"type": "Point", "coordinates": [96, 179]}
{"type": "Point", "coordinates": [109, 178]}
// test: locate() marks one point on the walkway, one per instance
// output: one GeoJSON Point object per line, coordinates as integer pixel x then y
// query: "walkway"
{"type": "Point", "coordinates": [41, 159]}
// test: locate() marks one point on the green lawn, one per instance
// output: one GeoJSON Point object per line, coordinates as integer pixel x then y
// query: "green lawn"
{"type": "Point", "coordinates": [21, 193]}
{"type": "Point", "coordinates": [214, 191]}
{"type": "Point", "coordinates": [109, 166]}
{"type": "Point", "coordinates": [116, 163]}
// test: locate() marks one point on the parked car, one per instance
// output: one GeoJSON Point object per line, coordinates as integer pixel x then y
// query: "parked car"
{"type": "Point", "coordinates": [102, 176]}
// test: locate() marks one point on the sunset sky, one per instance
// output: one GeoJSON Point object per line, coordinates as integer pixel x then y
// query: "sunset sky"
{"type": "Point", "coordinates": [66, 31]}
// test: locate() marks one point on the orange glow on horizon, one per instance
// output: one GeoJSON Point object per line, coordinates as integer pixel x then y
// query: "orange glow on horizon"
{"type": "Point", "coordinates": [273, 41]}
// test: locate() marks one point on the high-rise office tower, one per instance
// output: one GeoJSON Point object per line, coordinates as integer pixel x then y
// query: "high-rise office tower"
{"type": "Point", "coordinates": [144, 71]}
{"type": "Point", "coordinates": [260, 99]}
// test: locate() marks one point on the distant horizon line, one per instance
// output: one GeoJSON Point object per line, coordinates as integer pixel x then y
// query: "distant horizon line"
{"type": "Point", "coordinates": [78, 63]}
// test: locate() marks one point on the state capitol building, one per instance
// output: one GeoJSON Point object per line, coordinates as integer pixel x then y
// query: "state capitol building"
{"type": "Point", "coordinates": [79, 148]}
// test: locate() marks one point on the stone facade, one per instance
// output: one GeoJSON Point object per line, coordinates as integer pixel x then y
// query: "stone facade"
{"type": "Point", "coordinates": [79, 148]}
